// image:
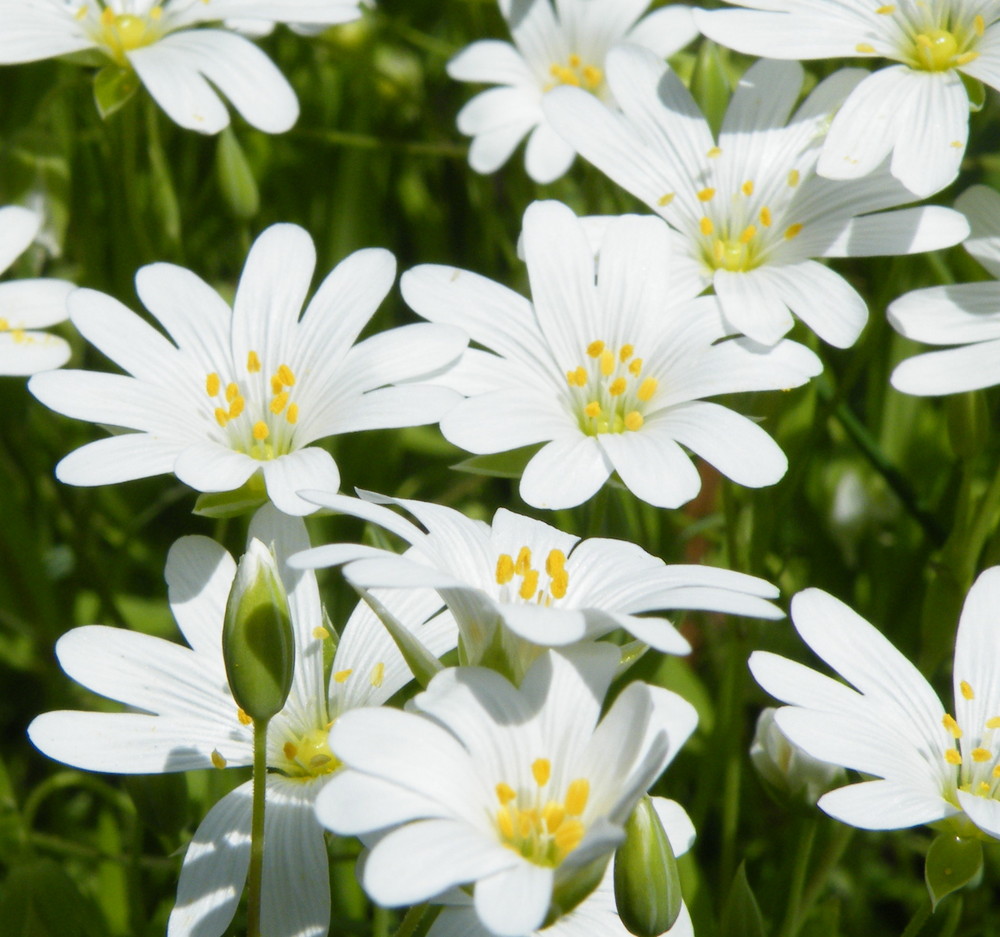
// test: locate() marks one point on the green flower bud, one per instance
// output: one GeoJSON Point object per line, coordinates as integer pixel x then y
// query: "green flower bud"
{"type": "Point", "coordinates": [647, 883]}
{"type": "Point", "coordinates": [257, 641]}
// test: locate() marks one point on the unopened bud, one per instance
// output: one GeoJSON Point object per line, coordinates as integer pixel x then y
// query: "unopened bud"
{"type": "Point", "coordinates": [647, 883]}
{"type": "Point", "coordinates": [257, 643]}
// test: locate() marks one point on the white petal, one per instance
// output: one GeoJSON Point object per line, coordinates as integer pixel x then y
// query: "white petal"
{"type": "Point", "coordinates": [311, 468]}
{"type": "Point", "coordinates": [752, 305]}
{"type": "Point", "coordinates": [199, 577]}
{"type": "Point", "coordinates": [18, 226]}
{"type": "Point", "coordinates": [26, 353]}
{"type": "Point", "coordinates": [503, 420]}
{"type": "Point", "coordinates": [514, 902]}
{"type": "Point", "coordinates": [564, 473]}
{"type": "Point", "coordinates": [652, 466]}
{"type": "Point", "coordinates": [908, 231]}
{"type": "Point", "coordinates": [975, 673]}
{"type": "Point", "coordinates": [208, 466]}
{"type": "Point", "coordinates": [547, 156]}
{"type": "Point", "coordinates": [949, 315]}
{"type": "Point", "coordinates": [118, 459]}
{"type": "Point", "coordinates": [778, 35]}
{"type": "Point", "coordinates": [949, 372]}
{"type": "Point", "coordinates": [490, 61]}
{"type": "Point", "coordinates": [884, 805]}
{"type": "Point", "coordinates": [34, 304]}
{"type": "Point", "coordinates": [665, 31]}
{"type": "Point", "coordinates": [355, 803]}
{"type": "Point", "coordinates": [981, 205]}
{"type": "Point", "coordinates": [983, 811]}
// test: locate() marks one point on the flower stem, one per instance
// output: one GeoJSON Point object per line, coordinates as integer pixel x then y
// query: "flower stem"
{"type": "Point", "coordinates": [800, 865]}
{"type": "Point", "coordinates": [257, 827]}
{"type": "Point", "coordinates": [919, 919]}
{"type": "Point", "coordinates": [411, 920]}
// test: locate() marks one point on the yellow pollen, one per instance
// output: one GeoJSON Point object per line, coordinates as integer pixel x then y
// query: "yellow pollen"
{"type": "Point", "coordinates": [765, 217]}
{"type": "Point", "coordinates": [664, 200]}
{"type": "Point", "coordinates": [747, 187]}
{"type": "Point", "coordinates": [953, 756]}
{"type": "Point", "coordinates": [635, 367]}
{"type": "Point", "coordinates": [232, 392]}
{"type": "Point", "coordinates": [864, 48]}
{"type": "Point", "coordinates": [221, 416]}
{"type": "Point", "coordinates": [81, 13]}
{"type": "Point", "coordinates": [292, 414]}
{"type": "Point", "coordinates": [617, 387]}
{"type": "Point", "coordinates": [320, 633]}
{"type": "Point", "coordinates": [647, 388]}
{"type": "Point", "coordinates": [625, 352]}
{"type": "Point", "coordinates": [505, 793]}
{"type": "Point", "coordinates": [523, 563]}
{"type": "Point", "coordinates": [983, 788]}
{"type": "Point", "coordinates": [157, 12]}
{"type": "Point", "coordinates": [558, 584]}
{"type": "Point", "coordinates": [948, 721]}
{"type": "Point", "coordinates": [217, 759]}
{"type": "Point", "coordinates": [996, 771]}
{"type": "Point", "coordinates": [705, 195]}
{"type": "Point", "coordinates": [993, 722]}
{"type": "Point", "coordinates": [505, 823]}
{"type": "Point", "coordinates": [593, 409]}
{"type": "Point", "coordinates": [107, 17]}
{"type": "Point", "coordinates": [555, 562]}
{"type": "Point", "coordinates": [276, 386]}
{"type": "Point", "coordinates": [748, 234]}
{"type": "Point", "coordinates": [236, 408]}
{"type": "Point", "coordinates": [979, 24]}
{"type": "Point", "coordinates": [290, 750]}
{"type": "Point", "coordinates": [595, 348]}
{"type": "Point", "coordinates": [279, 402]}
{"type": "Point", "coordinates": [966, 690]}
{"type": "Point", "coordinates": [341, 675]}
{"type": "Point", "coordinates": [607, 362]}
{"type": "Point", "coordinates": [553, 815]}
{"type": "Point", "coordinates": [577, 796]}
{"type": "Point", "coordinates": [4, 325]}
{"type": "Point", "coordinates": [244, 719]}
{"type": "Point", "coordinates": [577, 378]}
{"type": "Point", "coordinates": [568, 836]}
{"type": "Point", "coordinates": [706, 226]}
{"type": "Point", "coordinates": [982, 754]}
{"type": "Point", "coordinates": [714, 152]}
{"type": "Point", "coordinates": [541, 771]}
{"type": "Point", "coordinates": [793, 230]}
{"type": "Point", "coordinates": [574, 61]}
{"type": "Point", "coordinates": [886, 10]}
{"type": "Point", "coordinates": [378, 674]}
{"type": "Point", "coordinates": [966, 57]}
{"type": "Point", "coordinates": [529, 586]}
{"type": "Point", "coordinates": [261, 431]}
{"type": "Point", "coordinates": [286, 376]}
{"type": "Point", "coordinates": [793, 178]}
{"type": "Point", "coordinates": [253, 362]}
{"type": "Point", "coordinates": [592, 76]}
{"type": "Point", "coordinates": [212, 384]}
{"type": "Point", "coordinates": [505, 569]}
{"type": "Point", "coordinates": [633, 421]}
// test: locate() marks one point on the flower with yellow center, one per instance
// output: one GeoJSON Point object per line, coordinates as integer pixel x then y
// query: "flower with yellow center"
{"type": "Point", "coordinates": [184, 67]}
{"type": "Point", "coordinates": [930, 766]}
{"type": "Point", "coordinates": [499, 789]}
{"type": "Point", "coordinates": [748, 211]}
{"type": "Point", "coordinates": [244, 392]}
{"type": "Point", "coordinates": [182, 716]}
{"type": "Point", "coordinates": [552, 46]}
{"type": "Point", "coordinates": [607, 365]}
{"type": "Point", "coordinates": [917, 110]}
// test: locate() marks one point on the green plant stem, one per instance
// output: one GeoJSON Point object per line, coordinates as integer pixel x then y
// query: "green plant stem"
{"type": "Point", "coordinates": [411, 921]}
{"type": "Point", "coordinates": [919, 919]}
{"type": "Point", "coordinates": [257, 827]}
{"type": "Point", "coordinates": [800, 865]}
{"type": "Point", "coordinates": [828, 859]}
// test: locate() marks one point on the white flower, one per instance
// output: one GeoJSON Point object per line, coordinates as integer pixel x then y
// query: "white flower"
{"type": "Point", "coordinates": [930, 766]}
{"type": "Point", "coordinates": [28, 305]}
{"type": "Point", "coordinates": [562, 46]}
{"type": "Point", "coordinates": [606, 364]}
{"type": "Point", "coordinates": [246, 390]}
{"type": "Point", "coordinates": [966, 315]}
{"type": "Point", "coordinates": [517, 792]}
{"type": "Point", "coordinates": [597, 914]}
{"type": "Point", "coordinates": [177, 60]}
{"type": "Point", "coordinates": [183, 717]}
{"type": "Point", "coordinates": [749, 210]}
{"type": "Point", "coordinates": [547, 588]}
{"type": "Point", "coordinates": [917, 110]}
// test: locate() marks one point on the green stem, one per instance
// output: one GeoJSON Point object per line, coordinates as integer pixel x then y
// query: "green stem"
{"type": "Point", "coordinates": [412, 920]}
{"type": "Point", "coordinates": [828, 860]}
{"type": "Point", "coordinates": [919, 919]}
{"type": "Point", "coordinates": [800, 865]}
{"type": "Point", "coordinates": [257, 827]}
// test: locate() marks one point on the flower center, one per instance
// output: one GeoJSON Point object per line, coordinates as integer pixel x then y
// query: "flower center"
{"type": "Point", "coordinates": [934, 39]}
{"type": "Point", "coordinates": [119, 33]}
{"type": "Point", "coordinates": [537, 825]}
{"type": "Point", "coordinates": [608, 392]}
{"type": "Point", "coordinates": [975, 757]}
{"type": "Point", "coordinates": [263, 428]}
{"type": "Point", "coordinates": [530, 589]}
{"type": "Point", "coordinates": [309, 755]}
{"type": "Point", "coordinates": [577, 74]}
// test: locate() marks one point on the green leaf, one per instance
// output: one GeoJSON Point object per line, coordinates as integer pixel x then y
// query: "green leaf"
{"type": "Point", "coordinates": [741, 915]}
{"type": "Point", "coordinates": [239, 188]}
{"type": "Point", "coordinates": [952, 862]}
{"type": "Point", "coordinates": [500, 464]}
{"type": "Point", "coordinates": [113, 86]}
{"type": "Point", "coordinates": [976, 91]}
{"type": "Point", "coordinates": [40, 900]}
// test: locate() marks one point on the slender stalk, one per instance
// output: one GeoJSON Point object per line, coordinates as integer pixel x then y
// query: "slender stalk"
{"type": "Point", "coordinates": [827, 862]}
{"type": "Point", "coordinates": [919, 919]}
{"type": "Point", "coordinates": [257, 827]}
{"type": "Point", "coordinates": [411, 920]}
{"type": "Point", "coordinates": [800, 865]}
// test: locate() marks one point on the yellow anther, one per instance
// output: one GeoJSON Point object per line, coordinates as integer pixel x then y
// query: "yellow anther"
{"type": "Point", "coordinates": [595, 348]}
{"type": "Point", "coordinates": [965, 688]}
{"type": "Point", "coordinates": [253, 362]}
{"type": "Point", "coordinates": [983, 788]}
{"type": "Point", "coordinates": [996, 771]}
{"type": "Point", "coordinates": [236, 408]}
{"type": "Point", "coordinates": [577, 796]}
{"type": "Point", "coordinates": [993, 722]}
{"type": "Point", "coordinates": [966, 57]}
{"type": "Point", "coordinates": [558, 584]}
{"type": "Point", "coordinates": [505, 823]}
{"type": "Point", "coordinates": [377, 675]}
{"type": "Point", "coordinates": [320, 633]}
{"type": "Point", "coordinates": [747, 187]}
{"type": "Point", "coordinates": [607, 362]}
{"type": "Point", "coordinates": [217, 759]}
{"type": "Point", "coordinates": [633, 421]}
{"type": "Point", "coordinates": [635, 367]}
{"type": "Point", "coordinates": [290, 749]}
{"type": "Point", "coordinates": [714, 152]}
{"type": "Point", "coordinates": [505, 793]}
{"type": "Point", "coordinates": [212, 383]}
{"type": "Point", "coordinates": [706, 226]}
{"type": "Point", "coordinates": [593, 409]}
{"type": "Point", "coordinates": [232, 392]}
{"type": "Point", "coordinates": [276, 386]}
{"type": "Point", "coordinates": [886, 10]}
{"type": "Point", "coordinates": [664, 200]}
{"type": "Point", "coordinates": [292, 414]}
{"type": "Point", "coordinates": [865, 49]}
{"type": "Point", "coordinates": [625, 352]}
{"type": "Point", "coordinates": [553, 815]}
{"type": "Point", "coordinates": [574, 61]}
{"type": "Point", "coordinates": [592, 76]}
{"type": "Point", "coordinates": [221, 416]}
{"type": "Point", "coordinates": [555, 561]}
{"type": "Point", "coordinates": [617, 387]}
{"type": "Point", "coordinates": [279, 402]}
{"type": "Point", "coordinates": [948, 721]}
{"type": "Point", "coordinates": [748, 234]}
{"type": "Point", "coordinates": [982, 754]}
{"type": "Point", "coordinates": [953, 756]}
{"type": "Point", "coordinates": [541, 771]}
{"type": "Point", "coordinates": [107, 17]}
{"type": "Point", "coordinates": [647, 388]}
{"type": "Point", "coordinates": [156, 13]}
{"type": "Point", "coordinates": [286, 376]}
{"type": "Point", "coordinates": [341, 675]}
{"type": "Point", "coordinates": [705, 195]}
{"type": "Point", "coordinates": [765, 217]}
{"type": "Point", "coordinates": [505, 569]}
{"type": "Point", "coordinates": [579, 377]}
{"type": "Point", "coordinates": [568, 836]}
{"type": "Point", "coordinates": [4, 325]}
{"type": "Point", "coordinates": [242, 716]}
{"type": "Point", "coordinates": [529, 585]}
{"type": "Point", "coordinates": [979, 24]}
{"type": "Point", "coordinates": [81, 13]}
{"type": "Point", "coordinates": [261, 431]}
{"type": "Point", "coordinates": [523, 562]}
{"type": "Point", "coordinates": [793, 230]}
{"type": "Point", "coordinates": [793, 178]}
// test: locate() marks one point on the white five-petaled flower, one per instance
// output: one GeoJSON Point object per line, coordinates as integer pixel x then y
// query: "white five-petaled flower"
{"type": "Point", "coordinates": [183, 717]}
{"type": "Point", "coordinates": [606, 364]}
{"type": "Point", "coordinates": [918, 110]}
{"type": "Point", "coordinates": [247, 389]}
{"type": "Point", "coordinates": [930, 766]}
{"type": "Point", "coordinates": [966, 314]}
{"type": "Point", "coordinates": [749, 210]}
{"type": "Point", "coordinates": [519, 793]}
{"type": "Point", "coordinates": [545, 587]}
{"type": "Point", "coordinates": [28, 305]}
{"type": "Point", "coordinates": [562, 46]}
{"type": "Point", "coordinates": [176, 58]}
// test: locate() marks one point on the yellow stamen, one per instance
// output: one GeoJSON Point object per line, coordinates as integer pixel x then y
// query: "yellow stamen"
{"type": "Point", "coordinates": [983, 788]}
{"type": "Point", "coordinates": [792, 231]}
{"type": "Point", "coordinates": [378, 675]}
{"type": "Point", "coordinates": [279, 402]}
{"type": "Point", "coordinates": [953, 756]}
{"type": "Point", "coordinates": [714, 152]}
{"type": "Point", "coordinates": [593, 409]}
{"type": "Point", "coordinates": [523, 563]}
{"type": "Point", "coordinates": [617, 387]}
{"type": "Point", "coordinates": [505, 823]}
{"type": "Point", "coordinates": [633, 421]}
{"type": "Point", "coordinates": [541, 771]}
{"type": "Point", "coordinates": [706, 226]}
{"type": "Point", "coordinates": [595, 348]}
{"type": "Point", "coordinates": [966, 57]}
{"type": "Point", "coordinates": [276, 386]}
{"type": "Point", "coordinates": [286, 375]}
{"type": "Point", "coordinates": [568, 836]}
{"type": "Point", "coordinates": [212, 383]}
{"type": "Point", "coordinates": [341, 675]}
{"type": "Point", "coordinates": [261, 431]}
{"type": "Point", "coordinates": [558, 584]}
{"type": "Point", "coordinates": [221, 416]}
{"type": "Point", "coordinates": [217, 759]}
{"type": "Point", "coordinates": [948, 721]}
{"type": "Point", "coordinates": [982, 754]}
{"type": "Point", "coordinates": [647, 388]}
{"type": "Point", "coordinates": [664, 200]}
{"type": "Point", "coordinates": [765, 217]}
{"type": "Point", "coordinates": [577, 796]}
{"type": "Point", "coordinates": [292, 414]}
{"type": "Point", "coordinates": [505, 569]}
{"type": "Point", "coordinates": [232, 392]}
{"type": "Point", "coordinates": [555, 561]}
{"type": "Point", "coordinates": [625, 352]}
{"type": "Point", "coordinates": [996, 771]}
{"type": "Point", "coordinates": [966, 690]}
{"type": "Point", "coordinates": [993, 722]}
{"type": "Point", "coordinates": [886, 10]}
{"type": "Point", "coordinates": [865, 49]}
{"type": "Point", "coordinates": [979, 24]}
{"type": "Point", "coordinates": [290, 750]}
{"type": "Point", "coordinates": [793, 178]}
{"type": "Point", "coordinates": [553, 814]}
{"type": "Point", "coordinates": [607, 362]}
{"type": "Point", "coordinates": [747, 187]}
{"type": "Point", "coordinates": [244, 719]}
{"type": "Point", "coordinates": [748, 234]}
{"type": "Point", "coordinates": [253, 362]}
{"type": "Point", "coordinates": [705, 195]}
{"type": "Point", "coordinates": [320, 633]}
{"type": "Point", "coordinates": [529, 586]}
{"type": "Point", "coordinates": [635, 367]}
{"type": "Point", "coordinates": [236, 408]}
{"type": "Point", "coordinates": [505, 793]}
